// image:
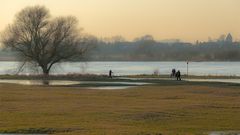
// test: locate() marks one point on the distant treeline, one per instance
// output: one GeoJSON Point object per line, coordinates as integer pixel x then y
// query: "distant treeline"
{"type": "Point", "coordinates": [150, 50]}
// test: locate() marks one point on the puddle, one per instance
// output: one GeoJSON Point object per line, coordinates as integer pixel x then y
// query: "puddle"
{"type": "Point", "coordinates": [111, 88]}
{"type": "Point", "coordinates": [225, 133]}
{"type": "Point", "coordinates": [114, 83]}
{"type": "Point", "coordinates": [140, 79]}
{"type": "Point", "coordinates": [40, 82]}
{"type": "Point", "coordinates": [87, 84]}
{"type": "Point", "coordinates": [62, 82]}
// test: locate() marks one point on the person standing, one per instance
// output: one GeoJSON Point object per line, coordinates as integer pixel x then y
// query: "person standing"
{"type": "Point", "coordinates": [178, 75]}
{"type": "Point", "coordinates": [110, 74]}
{"type": "Point", "coordinates": [173, 73]}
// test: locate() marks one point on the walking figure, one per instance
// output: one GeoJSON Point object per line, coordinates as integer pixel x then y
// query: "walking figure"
{"type": "Point", "coordinates": [110, 74]}
{"type": "Point", "coordinates": [173, 73]}
{"type": "Point", "coordinates": [178, 75]}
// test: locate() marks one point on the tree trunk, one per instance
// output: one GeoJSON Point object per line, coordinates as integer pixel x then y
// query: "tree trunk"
{"type": "Point", "coordinates": [45, 71]}
{"type": "Point", "coordinates": [45, 80]}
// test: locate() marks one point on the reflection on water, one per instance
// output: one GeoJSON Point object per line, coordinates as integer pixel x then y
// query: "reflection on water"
{"type": "Point", "coordinates": [111, 87]}
{"type": "Point", "coordinates": [61, 82]}
{"type": "Point", "coordinates": [114, 83]}
{"type": "Point", "coordinates": [88, 84]}
{"type": "Point", "coordinates": [40, 82]}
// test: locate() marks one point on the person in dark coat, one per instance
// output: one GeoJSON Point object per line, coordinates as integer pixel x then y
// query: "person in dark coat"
{"type": "Point", "coordinates": [173, 73]}
{"type": "Point", "coordinates": [178, 75]}
{"type": "Point", "coordinates": [110, 74]}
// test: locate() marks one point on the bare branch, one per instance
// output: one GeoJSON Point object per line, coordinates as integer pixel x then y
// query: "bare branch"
{"type": "Point", "coordinates": [45, 41]}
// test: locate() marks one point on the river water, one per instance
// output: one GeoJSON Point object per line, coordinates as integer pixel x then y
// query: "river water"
{"type": "Point", "coordinates": [131, 68]}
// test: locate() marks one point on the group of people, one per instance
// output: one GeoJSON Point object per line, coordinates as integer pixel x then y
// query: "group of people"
{"type": "Point", "coordinates": [176, 74]}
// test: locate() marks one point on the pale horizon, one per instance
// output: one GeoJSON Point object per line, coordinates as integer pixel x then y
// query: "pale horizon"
{"type": "Point", "coordinates": [188, 20]}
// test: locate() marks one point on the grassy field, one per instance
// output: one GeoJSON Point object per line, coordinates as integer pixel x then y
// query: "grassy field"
{"type": "Point", "coordinates": [148, 110]}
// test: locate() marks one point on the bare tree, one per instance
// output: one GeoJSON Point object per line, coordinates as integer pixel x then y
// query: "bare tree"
{"type": "Point", "coordinates": [45, 41]}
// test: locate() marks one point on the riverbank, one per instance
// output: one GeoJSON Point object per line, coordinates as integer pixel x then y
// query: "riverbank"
{"type": "Point", "coordinates": [117, 82]}
{"type": "Point", "coordinates": [164, 107]}
{"type": "Point", "coordinates": [92, 77]}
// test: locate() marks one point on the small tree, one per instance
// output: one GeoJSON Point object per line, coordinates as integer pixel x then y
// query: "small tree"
{"type": "Point", "coordinates": [42, 40]}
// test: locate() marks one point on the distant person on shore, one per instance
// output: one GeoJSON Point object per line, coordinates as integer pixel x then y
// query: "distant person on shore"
{"type": "Point", "coordinates": [173, 73]}
{"type": "Point", "coordinates": [110, 74]}
{"type": "Point", "coordinates": [178, 75]}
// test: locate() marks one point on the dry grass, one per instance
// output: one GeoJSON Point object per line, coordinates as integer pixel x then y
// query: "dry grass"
{"type": "Point", "coordinates": [148, 110]}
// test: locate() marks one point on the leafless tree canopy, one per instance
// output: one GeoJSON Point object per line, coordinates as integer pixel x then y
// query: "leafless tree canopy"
{"type": "Point", "coordinates": [43, 40]}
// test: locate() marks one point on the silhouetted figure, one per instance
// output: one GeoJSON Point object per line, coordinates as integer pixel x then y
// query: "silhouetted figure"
{"type": "Point", "coordinates": [178, 75]}
{"type": "Point", "coordinates": [173, 73]}
{"type": "Point", "coordinates": [110, 74]}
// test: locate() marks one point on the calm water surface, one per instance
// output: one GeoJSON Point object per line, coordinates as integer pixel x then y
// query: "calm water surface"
{"type": "Point", "coordinates": [132, 68]}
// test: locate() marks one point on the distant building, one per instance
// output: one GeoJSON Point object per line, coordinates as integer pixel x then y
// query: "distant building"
{"type": "Point", "coordinates": [229, 38]}
{"type": "Point", "coordinates": [197, 42]}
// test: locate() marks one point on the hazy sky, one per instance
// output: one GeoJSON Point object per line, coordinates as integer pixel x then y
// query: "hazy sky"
{"type": "Point", "coordinates": [164, 19]}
